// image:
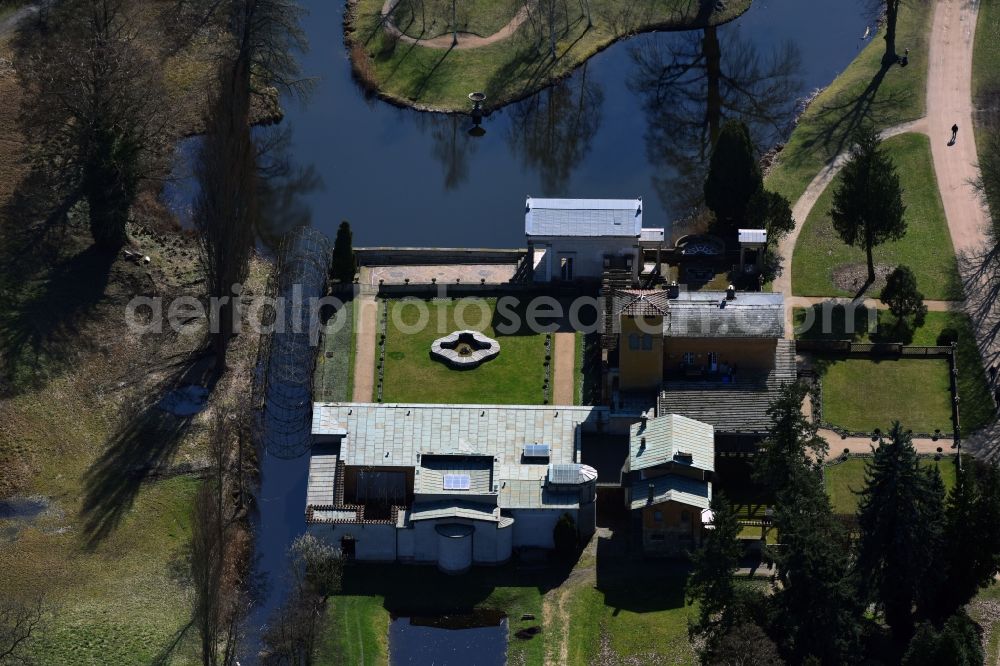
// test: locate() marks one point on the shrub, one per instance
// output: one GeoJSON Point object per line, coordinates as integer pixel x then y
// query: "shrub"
{"type": "Point", "coordinates": [947, 337]}
{"type": "Point", "coordinates": [565, 537]}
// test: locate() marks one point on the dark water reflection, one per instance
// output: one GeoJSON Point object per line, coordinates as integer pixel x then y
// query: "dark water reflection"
{"type": "Point", "coordinates": [453, 640]}
{"type": "Point", "coordinates": [405, 178]}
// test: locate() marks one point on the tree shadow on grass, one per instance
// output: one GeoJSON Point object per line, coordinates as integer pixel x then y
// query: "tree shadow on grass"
{"type": "Point", "coordinates": [141, 448]}
{"type": "Point", "coordinates": [834, 126]}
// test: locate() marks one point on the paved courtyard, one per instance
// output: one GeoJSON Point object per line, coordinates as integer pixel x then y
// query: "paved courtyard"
{"type": "Point", "coordinates": [444, 273]}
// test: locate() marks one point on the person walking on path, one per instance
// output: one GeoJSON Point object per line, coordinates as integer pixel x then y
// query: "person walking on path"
{"type": "Point", "coordinates": [954, 134]}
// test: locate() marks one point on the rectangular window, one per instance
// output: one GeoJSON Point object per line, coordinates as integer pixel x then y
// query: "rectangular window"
{"type": "Point", "coordinates": [456, 481]}
{"type": "Point", "coordinates": [688, 358]}
{"type": "Point", "coordinates": [658, 516]}
{"type": "Point", "coordinates": [633, 341]}
{"type": "Point", "coordinates": [647, 342]}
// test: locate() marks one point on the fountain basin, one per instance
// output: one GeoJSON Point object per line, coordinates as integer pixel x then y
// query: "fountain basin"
{"type": "Point", "coordinates": [464, 350]}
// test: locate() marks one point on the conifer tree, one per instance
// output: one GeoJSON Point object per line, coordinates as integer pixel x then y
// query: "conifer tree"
{"type": "Point", "coordinates": [734, 176]}
{"type": "Point", "coordinates": [900, 519]}
{"type": "Point", "coordinates": [711, 581]}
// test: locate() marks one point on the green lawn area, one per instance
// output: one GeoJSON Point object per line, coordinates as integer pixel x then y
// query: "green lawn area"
{"type": "Point", "coordinates": [357, 621]}
{"type": "Point", "coordinates": [511, 68]}
{"type": "Point", "coordinates": [855, 97]}
{"type": "Point", "coordinates": [844, 479]}
{"type": "Point", "coordinates": [515, 377]}
{"type": "Point", "coordinates": [986, 62]}
{"type": "Point", "coordinates": [926, 247]}
{"type": "Point", "coordinates": [639, 607]}
{"type": "Point", "coordinates": [976, 407]}
{"type": "Point", "coordinates": [861, 395]}
{"type": "Point", "coordinates": [334, 378]}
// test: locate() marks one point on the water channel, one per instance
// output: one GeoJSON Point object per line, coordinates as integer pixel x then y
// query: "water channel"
{"type": "Point", "coordinates": [613, 129]}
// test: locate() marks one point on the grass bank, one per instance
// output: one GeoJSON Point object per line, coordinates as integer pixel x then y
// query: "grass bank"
{"type": "Point", "coordinates": [863, 93]}
{"type": "Point", "coordinates": [440, 79]}
{"type": "Point", "coordinates": [821, 259]}
{"type": "Point", "coordinates": [844, 480]}
{"type": "Point", "coordinates": [976, 406]}
{"type": "Point", "coordinates": [514, 377]}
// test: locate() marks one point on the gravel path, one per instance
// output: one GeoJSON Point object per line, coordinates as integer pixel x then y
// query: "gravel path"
{"type": "Point", "coordinates": [364, 349]}
{"type": "Point", "coordinates": [466, 40]}
{"type": "Point", "coordinates": [563, 379]}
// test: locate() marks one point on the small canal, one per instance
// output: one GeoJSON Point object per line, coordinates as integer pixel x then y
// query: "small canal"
{"type": "Point", "coordinates": [611, 130]}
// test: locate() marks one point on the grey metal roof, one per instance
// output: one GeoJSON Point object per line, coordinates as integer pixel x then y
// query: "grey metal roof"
{"type": "Point", "coordinates": [534, 494]}
{"type": "Point", "coordinates": [732, 408]}
{"type": "Point", "coordinates": [711, 315]}
{"type": "Point", "coordinates": [422, 435]}
{"type": "Point", "coordinates": [667, 436]}
{"type": "Point", "coordinates": [672, 488]}
{"type": "Point", "coordinates": [583, 217]}
{"type": "Point", "coordinates": [753, 235]}
{"type": "Point", "coordinates": [454, 509]}
{"type": "Point", "coordinates": [428, 478]}
{"type": "Point", "coordinates": [322, 474]}
{"type": "Point", "coordinates": [652, 234]}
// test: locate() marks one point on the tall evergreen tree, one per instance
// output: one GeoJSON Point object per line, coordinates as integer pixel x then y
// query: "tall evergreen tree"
{"type": "Point", "coordinates": [711, 582]}
{"type": "Point", "coordinates": [818, 614]}
{"type": "Point", "coordinates": [734, 176]}
{"type": "Point", "coordinates": [868, 207]}
{"type": "Point", "coordinates": [969, 555]}
{"type": "Point", "coordinates": [957, 644]}
{"type": "Point", "coordinates": [900, 518]}
{"type": "Point", "coordinates": [343, 265]}
{"type": "Point", "coordinates": [792, 444]}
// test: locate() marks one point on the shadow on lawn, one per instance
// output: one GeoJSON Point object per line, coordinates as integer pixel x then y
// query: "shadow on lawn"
{"type": "Point", "coordinates": [835, 124]}
{"type": "Point", "coordinates": [143, 447]}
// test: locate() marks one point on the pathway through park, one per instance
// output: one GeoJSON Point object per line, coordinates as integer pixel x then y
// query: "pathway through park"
{"type": "Point", "coordinates": [949, 101]}
{"type": "Point", "coordinates": [461, 40]}
{"type": "Point", "coordinates": [364, 349]}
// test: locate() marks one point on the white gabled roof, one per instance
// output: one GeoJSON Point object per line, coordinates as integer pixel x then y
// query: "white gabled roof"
{"type": "Point", "coordinates": [583, 217]}
{"type": "Point", "coordinates": [672, 488]}
{"type": "Point", "coordinates": [753, 235]}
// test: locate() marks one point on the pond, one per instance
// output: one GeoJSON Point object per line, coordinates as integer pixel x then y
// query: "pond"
{"type": "Point", "coordinates": [478, 638]}
{"type": "Point", "coordinates": [613, 129]}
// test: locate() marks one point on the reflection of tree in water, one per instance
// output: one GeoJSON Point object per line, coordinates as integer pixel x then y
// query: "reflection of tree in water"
{"type": "Point", "coordinates": [689, 89]}
{"type": "Point", "coordinates": [283, 185]}
{"type": "Point", "coordinates": [453, 147]}
{"type": "Point", "coordinates": [552, 130]}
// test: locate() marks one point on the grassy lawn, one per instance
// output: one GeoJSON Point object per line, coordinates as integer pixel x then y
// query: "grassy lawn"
{"type": "Point", "coordinates": [357, 621]}
{"type": "Point", "coordinates": [926, 247]}
{"type": "Point", "coordinates": [986, 62]}
{"type": "Point", "coordinates": [857, 96]}
{"type": "Point", "coordinates": [334, 378]}
{"type": "Point", "coordinates": [514, 377]}
{"type": "Point", "coordinates": [861, 395]}
{"type": "Point", "coordinates": [976, 408]}
{"type": "Point", "coordinates": [426, 19]}
{"type": "Point", "coordinates": [512, 68]}
{"type": "Point", "coordinates": [844, 479]}
{"type": "Point", "coordinates": [638, 615]}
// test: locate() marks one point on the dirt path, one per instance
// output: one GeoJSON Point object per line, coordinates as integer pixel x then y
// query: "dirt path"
{"type": "Point", "coordinates": [466, 40]}
{"type": "Point", "coordinates": [923, 445]}
{"type": "Point", "coordinates": [564, 364]}
{"type": "Point", "coordinates": [364, 349]}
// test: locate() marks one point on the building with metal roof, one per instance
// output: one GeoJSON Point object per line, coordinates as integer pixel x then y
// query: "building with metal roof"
{"type": "Point", "coordinates": [384, 477]}
{"type": "Point", "coordinates": [577, 239]}
{"type": "Point", "coordinates": [668, 480]}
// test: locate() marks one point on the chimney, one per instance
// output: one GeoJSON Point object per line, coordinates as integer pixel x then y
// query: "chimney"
{"type": "Point", "coordinates": [652, 494]}
{"type": "Point", "coordinates": [730, 293]}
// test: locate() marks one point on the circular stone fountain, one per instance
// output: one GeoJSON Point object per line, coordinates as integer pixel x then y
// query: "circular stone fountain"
{"type": "Point", "coordinates": [463, 350]}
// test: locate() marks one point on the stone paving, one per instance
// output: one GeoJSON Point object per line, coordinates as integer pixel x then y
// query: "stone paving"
{"type": "Point", "coordinates": [444, 273]}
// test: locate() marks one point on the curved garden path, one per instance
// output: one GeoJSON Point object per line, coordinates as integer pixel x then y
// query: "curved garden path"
{"type": "Point", "coordinates": [949, 101]}
{"type": "Point", "coordinates": [466, 40]}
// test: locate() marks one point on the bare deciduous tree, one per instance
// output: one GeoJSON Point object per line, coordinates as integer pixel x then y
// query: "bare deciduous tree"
{"type": "Point", "coordinates": [19, 621]}
{"type": "Point", "coordinates": [94, 117]}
